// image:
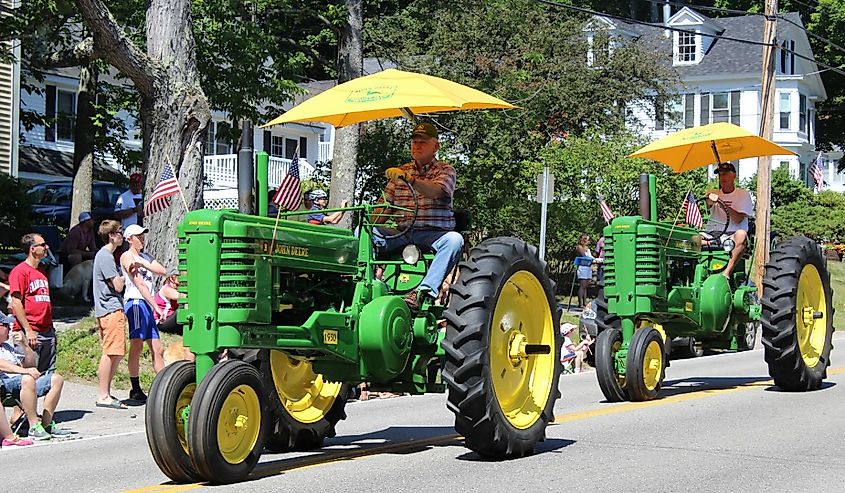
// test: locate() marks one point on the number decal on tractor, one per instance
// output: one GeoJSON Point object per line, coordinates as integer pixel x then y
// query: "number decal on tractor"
{"type": "Point", "coordinates": [330, 337]}
{"type": "Point", "coordinates": [688, 306]}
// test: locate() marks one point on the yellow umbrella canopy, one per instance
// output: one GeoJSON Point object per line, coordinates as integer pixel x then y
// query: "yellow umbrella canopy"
{"type": "Point", "coordinates": [695, 147]}
{"type": "Point", "coordinates": [386, 94]}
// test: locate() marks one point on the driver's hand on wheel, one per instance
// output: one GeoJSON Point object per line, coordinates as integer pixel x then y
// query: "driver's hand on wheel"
{"type": "Point", "coordinates": [394, 174]}
{"type": "Point", "coordinates": [713, 197]}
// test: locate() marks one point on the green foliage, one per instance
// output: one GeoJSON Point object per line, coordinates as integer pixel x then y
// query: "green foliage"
{"type": "Point", "coordinates": [14, 210]}
{"type": "Point", "coordinates": [785, 189]}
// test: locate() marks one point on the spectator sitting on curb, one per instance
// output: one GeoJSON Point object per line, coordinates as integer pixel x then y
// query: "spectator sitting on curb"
{"type": "Point", "coordinates": [27, 384]}
{"type": "Point", "coordinates": [570, 351]}
{"type": "Point", "coordinates": [80, 244]}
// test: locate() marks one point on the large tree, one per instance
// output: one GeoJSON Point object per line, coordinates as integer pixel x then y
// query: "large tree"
{"type": "Point", "coordinates": [174, 109]}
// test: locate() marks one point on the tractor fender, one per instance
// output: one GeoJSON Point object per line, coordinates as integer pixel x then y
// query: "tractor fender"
{"type": "Point", "coordinates": [715, 303]}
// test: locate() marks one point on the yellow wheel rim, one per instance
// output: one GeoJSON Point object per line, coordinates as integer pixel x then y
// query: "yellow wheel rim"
{"type": "Point", "coordinates": [521, 381]}
{"type": "Point", "coordinates": [652, 365]}
{"type": "Point", "coordinates": [303, 393]}
{"type": "Point", "coordinates": [239, 424]}
{"type": "Point", "coordinates": [811, 303]}
{"type": "Point", "coordinates": [182, 402]}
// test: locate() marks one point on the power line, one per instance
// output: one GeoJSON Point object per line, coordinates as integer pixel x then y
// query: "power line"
{"type": "Point", "coordinates": [583, 10]}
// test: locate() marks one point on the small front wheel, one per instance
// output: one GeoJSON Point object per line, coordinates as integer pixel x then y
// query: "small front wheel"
{"type": "Point", "coordinates": [646, 365]}
{"type": "Point", "coordinates": [227, 422]}
{"type": "Point", "coordinates": [611, 383]}
{"type": "Point", "coordinates": [166, 421]}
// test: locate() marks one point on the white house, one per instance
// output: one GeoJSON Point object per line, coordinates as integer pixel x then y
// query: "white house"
{"type": "Point", "coordinates": [721, 81]}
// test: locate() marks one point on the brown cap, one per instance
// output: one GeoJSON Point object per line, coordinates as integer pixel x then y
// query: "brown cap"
{"type": "Point", "coordinates": [426, 130]}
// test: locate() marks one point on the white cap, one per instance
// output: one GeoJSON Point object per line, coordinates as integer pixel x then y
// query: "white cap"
{"type": "Point", "coordinates": [567, 327]}
{"type": "Point", "coordinates": [134, 229]}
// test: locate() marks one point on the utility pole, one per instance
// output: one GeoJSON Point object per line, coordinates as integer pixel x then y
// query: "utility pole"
{"type": "Point", "coordinates": [764, 164]}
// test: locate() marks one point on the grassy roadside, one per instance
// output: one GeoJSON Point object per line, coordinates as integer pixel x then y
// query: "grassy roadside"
{"type": "Point", "coordinates": [837, 282]}
{"type": "Point", "coordinates": [79, 351]}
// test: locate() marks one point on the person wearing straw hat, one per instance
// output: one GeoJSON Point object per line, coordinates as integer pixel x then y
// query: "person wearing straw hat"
{"type": "Point", "coordinates": [740, 207]}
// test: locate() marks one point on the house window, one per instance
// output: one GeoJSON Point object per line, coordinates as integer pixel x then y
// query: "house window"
{"type": "Point", "coordinates": [290, 147]}
{"type": "Point", "coordinates": [802, 113]}
{"type": "Point", "coordinates": [659, 113]}
{"type": "Point", "coordinates": [277, 147]}
{"type": "Point", "coordinates": [687, 49]}
{"type": "Point", "coordinates": [720, 110]}
{"type": "Point", "coordinates": [786, 62]}
{"type": "Point", "coordinates": [60, 109]}
{"type": "Point", "coordinates": [218, 140]}
{"type": "Point", "coordinates": [785, 112]}
{"type": "Point", "coordinates": [303, 147]}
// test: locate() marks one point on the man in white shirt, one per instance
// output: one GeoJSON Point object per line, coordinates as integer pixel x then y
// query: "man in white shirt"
{"type": "Point", "coordinates": [740, 208]}
{"type": "Point", "coordinates": [129, 207]}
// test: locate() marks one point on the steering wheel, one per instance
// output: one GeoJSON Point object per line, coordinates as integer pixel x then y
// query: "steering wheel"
{"type": "Point", "coordinates": [413, 218]}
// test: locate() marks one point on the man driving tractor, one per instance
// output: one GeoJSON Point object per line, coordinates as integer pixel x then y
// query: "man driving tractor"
{"type": "Point", "coordinates": [434, 183]}
{"type": "Point", "coordinates": [740, 208]}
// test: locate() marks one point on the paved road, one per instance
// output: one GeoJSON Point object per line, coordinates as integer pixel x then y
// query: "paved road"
{"type": "Point", "coordinates": [720, 426]}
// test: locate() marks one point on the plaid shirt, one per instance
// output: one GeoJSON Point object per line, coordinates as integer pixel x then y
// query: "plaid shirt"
{"type": "Point", "coordinates": [433, 213]}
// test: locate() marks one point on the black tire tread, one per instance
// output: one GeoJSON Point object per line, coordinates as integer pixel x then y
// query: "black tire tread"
{"type": "Point", "coordinates": [780, 289]}
{"type": "Point", "coordinates": [478, 416]}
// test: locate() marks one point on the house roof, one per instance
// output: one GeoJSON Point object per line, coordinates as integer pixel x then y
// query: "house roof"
{"type": "Point", "coordinates": [60, 164]}
{"type": "Point", "coordinates": [724, 56]}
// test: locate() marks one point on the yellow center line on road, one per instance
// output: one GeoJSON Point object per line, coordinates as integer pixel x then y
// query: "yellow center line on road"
{"type": "Point", "coordinates": [267, 470]}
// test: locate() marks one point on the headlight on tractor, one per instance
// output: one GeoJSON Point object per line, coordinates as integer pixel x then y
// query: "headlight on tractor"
{"type": "Point", "coordinates": [728, 245]}
{"type": "Point", "coordinates": [411, 254]}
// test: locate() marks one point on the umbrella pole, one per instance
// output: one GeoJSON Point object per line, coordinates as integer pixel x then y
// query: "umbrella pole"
{"type": "Point", "coordinates": [409, 115]}
{"type": "Point", "coordinates": [715, 152]}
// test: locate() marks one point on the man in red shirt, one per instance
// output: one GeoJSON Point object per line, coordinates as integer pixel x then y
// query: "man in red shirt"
{"type": "Point", "coordinates": [31, 302]}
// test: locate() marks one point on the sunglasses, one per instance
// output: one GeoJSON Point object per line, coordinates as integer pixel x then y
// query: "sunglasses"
{"type": "Point", "coordinates": [41, 245]}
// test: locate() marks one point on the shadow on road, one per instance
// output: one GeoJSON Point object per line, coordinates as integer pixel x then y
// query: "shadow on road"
{"type": "Point", "coordinates": [549, 445]}
{"type": "Point", "coordinates": [825, 385]}
{"type": "Point", "coordinates": [393, 440]}
{"type": "Point", "coordinates": [699, 384]}
{"type": "Point", "coordinates": [67, 415]}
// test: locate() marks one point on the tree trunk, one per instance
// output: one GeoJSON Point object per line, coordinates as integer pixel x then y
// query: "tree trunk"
{"type": "Point", "coordinates": [83, 142]}
{"type": "Point", "coordinates": [174, 109]}
{"type": "Point", "coordinates": [350, 66]}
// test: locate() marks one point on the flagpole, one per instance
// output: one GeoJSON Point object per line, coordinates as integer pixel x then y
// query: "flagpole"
{"type": "Point", "coordinates": [279, 208]}
{"type": "Point", "coordinates": [686, 201]}
{"type": "Point", "coordinates": [178, 186]}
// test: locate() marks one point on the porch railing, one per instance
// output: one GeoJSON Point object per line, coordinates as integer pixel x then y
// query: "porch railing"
{"type": "Point", "coordinates": [221, 171]}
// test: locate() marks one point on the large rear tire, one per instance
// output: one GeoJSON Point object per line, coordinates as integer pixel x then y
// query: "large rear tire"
{"type": "Point", "coordinates": [166, 424]}
{"type": "Point", "coordinates": [797, 317]}
{"type": "Point", "coordinates": [303, 407]}
{"type": "Point", "coordinates": [227, 422]}
{"type": "Point", "coordinates": [502, 349]}
{"type": "Point", "coordinates": [646, 365]}
{"type": "Point", "coordinates": [611, 383]}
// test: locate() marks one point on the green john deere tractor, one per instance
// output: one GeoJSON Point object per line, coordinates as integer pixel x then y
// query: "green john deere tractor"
{"type": "Point", "coordinates": [303, 316]}
{"type": "Point", "coordinates": [664, 281]}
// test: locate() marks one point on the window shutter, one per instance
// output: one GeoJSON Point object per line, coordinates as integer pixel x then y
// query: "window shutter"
{"type": "Point", "coordinates": [50, 113]}
{"type": "Point", "coordinates": [268, 141]}
{"type": "Point", "coordinates": [689, 110]}
{"type": "Point", "coordinates": [303, 147]}
{"type": "Point", "coordinates": [659, 113]}
{"type": "Point", "coordinates": [704, 118]}
{"type": "Point", "coordinates": [735, 107]}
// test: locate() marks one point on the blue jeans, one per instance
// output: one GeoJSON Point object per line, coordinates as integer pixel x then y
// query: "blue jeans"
{"type": "Point", "coordinates": [446, 245]}
{"type": "Point", "coordinates": [13, 384]}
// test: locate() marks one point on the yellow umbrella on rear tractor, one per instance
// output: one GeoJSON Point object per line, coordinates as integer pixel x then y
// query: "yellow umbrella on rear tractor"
{"type": "Point", "coordinates": [699, 146]}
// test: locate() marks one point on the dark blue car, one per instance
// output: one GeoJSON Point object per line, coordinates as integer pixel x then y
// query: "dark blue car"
{"type": "Point", "coordinates": [51, 202]}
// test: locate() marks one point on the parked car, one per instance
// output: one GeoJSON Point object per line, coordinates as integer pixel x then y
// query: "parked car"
{"type": "Point", "coordinates": [51, 201]}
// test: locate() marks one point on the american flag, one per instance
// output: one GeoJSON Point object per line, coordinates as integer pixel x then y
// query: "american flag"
{"type": "Point", "coordinates": [606, 213]}
{"type": "Point", "coordinates": [288, 196]}
{"type": "Point", "coordinates": [816, 172]}
{"type": "Point", "coordinates": [693, 215]}
{"type": "Point", "coordinates": [167, 186]}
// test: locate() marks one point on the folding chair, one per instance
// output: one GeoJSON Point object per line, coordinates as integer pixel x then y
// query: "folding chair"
{"type": "Point", "coordinates": [9, 400]}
